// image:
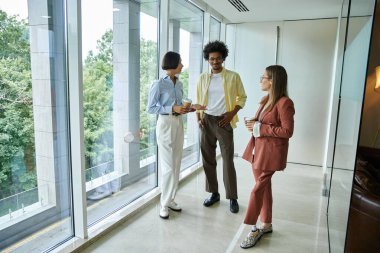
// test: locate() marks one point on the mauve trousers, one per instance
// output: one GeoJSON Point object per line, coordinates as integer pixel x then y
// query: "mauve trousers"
{"type": "Point", "coordinates": [260, 201]}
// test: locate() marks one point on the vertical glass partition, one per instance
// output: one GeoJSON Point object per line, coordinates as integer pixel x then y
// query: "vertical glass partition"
{"type": "Point", "coordinates": [119, 44]}
{"type": "Point", "coordinates": [350, 100]}
{"type": "Point", "coordinates": [364, 216]}
{"type": "Point", "coordinates": [340, 44]}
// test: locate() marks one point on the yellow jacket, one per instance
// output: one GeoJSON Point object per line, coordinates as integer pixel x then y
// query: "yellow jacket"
{"type": "Point", "coordinates": [233, 91]}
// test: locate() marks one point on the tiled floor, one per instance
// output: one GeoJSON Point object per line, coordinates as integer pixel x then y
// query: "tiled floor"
{"type": "Point", "coordinates": [299, 219]}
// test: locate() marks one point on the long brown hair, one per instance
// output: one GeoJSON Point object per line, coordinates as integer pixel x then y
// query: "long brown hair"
{"type": "Point", "coordinates": [279, 77]}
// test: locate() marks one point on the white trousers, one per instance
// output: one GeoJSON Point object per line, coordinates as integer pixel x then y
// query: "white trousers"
{"type": "Point", "coordinates": [169, 133]}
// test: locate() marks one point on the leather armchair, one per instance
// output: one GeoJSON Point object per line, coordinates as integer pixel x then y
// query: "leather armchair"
{"type": "Point", "coordinates": [364, 218]}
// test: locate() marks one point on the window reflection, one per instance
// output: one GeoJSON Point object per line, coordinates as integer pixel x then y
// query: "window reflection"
{"type": "Point", "coordinates": [120, 62]}
{"type": "Point", "coordinates": [185, 37]}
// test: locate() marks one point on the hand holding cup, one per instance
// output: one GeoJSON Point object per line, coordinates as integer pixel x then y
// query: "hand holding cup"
{"type": "Point", "coordinates": [249, 122]}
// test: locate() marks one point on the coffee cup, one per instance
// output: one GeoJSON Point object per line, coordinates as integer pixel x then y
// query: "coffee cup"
{"type": "Point", "coordinates": [186, 102]}
{"type": "Point", "coordinates": [248, 119]}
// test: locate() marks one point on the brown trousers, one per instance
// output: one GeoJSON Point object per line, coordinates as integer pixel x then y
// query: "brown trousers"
{"type": "Point", "coordinates": [260, 202]}
{"type": "Point", "coordinates": [211, 133]}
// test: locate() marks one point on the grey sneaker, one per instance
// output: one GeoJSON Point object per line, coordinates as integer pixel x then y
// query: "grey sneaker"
{"type": "Point", "coordinates": [251, 239]}
{"type": "Point", "coordinates": [266, 230]}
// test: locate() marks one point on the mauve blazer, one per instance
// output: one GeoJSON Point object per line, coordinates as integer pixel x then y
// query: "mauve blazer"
{"type": "Point", "coordinates": [271, 148]}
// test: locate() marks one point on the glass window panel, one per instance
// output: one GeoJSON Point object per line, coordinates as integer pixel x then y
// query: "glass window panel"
{"type": "Point", "coordinates": [352, 85]}
{"type": "Point", "coordinates": [214, 29]}
{"type": "Point", "coordinates": [119, 64]}
{"type": "Point", "coordinates": [35, 194]}
{"type": "Point", "coordinates": [186, 21]}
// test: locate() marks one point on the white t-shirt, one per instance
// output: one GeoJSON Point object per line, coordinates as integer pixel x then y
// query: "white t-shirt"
{"type": "Point", "coordinates": [216, 105]}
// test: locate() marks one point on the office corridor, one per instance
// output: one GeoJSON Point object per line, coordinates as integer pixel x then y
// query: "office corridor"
{"type": "Point", "coordinates": [298, 210]}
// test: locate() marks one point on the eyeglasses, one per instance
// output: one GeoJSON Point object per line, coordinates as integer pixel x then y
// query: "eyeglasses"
{"type": "Point", "coordinates": [264, 77]}
{"type": "Point", "coordinates": [215, 59]}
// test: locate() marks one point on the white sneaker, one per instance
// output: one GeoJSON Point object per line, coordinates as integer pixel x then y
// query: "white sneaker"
{"type": "Point", "coordinates": [175, 207]}
{"type": "Point", "coordinates": [164, 212]}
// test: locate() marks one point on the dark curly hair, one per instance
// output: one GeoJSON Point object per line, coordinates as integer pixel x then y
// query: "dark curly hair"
{"type": "Point", "coordinates": [215, 46]}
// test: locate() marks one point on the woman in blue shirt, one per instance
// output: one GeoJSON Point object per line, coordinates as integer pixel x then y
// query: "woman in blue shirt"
{"type": "Point", "coordinates": [165, 99]}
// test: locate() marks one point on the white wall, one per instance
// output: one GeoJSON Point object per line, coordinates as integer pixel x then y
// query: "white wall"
{"type": "Point", "coordinates": [307, 52]}
{"type": "Point", "coordinates": [252, 48]}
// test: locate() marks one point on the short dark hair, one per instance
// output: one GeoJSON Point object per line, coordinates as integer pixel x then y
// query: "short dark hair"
{"type": "Point", "coordinates": [215, 46]}
{"type": "Point", "coordinates": [170, 60]}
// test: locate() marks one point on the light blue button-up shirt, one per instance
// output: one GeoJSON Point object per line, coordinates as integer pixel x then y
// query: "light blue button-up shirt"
{"type": "Point", "coordinates": [163, 95]}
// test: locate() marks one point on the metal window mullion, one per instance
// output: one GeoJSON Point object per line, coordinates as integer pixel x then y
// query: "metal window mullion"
{"type": "Point", "coordinates": [75, 82]}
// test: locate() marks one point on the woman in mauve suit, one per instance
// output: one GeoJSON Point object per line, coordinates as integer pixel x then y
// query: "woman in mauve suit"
{"type": "Point", "coordinates": [271, 129]}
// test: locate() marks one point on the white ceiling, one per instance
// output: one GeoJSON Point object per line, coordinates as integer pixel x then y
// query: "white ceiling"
{"type": "Point", "coordinates": [277, 10]}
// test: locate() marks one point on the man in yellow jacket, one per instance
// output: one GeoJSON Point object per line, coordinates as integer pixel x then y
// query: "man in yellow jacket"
{"type": "Point", "coordinates": [222, 91]}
